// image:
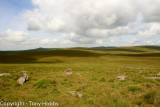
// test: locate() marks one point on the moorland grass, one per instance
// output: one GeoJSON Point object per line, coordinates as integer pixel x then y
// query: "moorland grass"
{"type": "Point", "coordinates": [97, 82]}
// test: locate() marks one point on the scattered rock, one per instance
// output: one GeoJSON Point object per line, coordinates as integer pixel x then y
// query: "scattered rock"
{"type": "Point", "coordinates": [138, 68]}
{"type": "Point", "coordinates": [5, 74]}
{"type": "Point", "coordinates": [25, 76]}
{"type": "Point", "coordinates": [129, 67]}
{"type": "Point", "coordinates": [79, 94]}
{"type": "Point", "coordinates": [121, 77]}
{"type": "Point", "coordinates": [158, 74]}
{"type": "Point", "coordinates": [24, 71]}
{"type": "Point", "coordinates": [75, 93]}
{"type": "Point", "coordinates": [78, 74]}
{"type": "Point", "coordinates": [68, 71]}
{"type": "Point", "coordinates": [72, 92]}
{"type": "Point", "coordinates": [22, 79]}
{"type": "Point", "coordinates": [152, 78]}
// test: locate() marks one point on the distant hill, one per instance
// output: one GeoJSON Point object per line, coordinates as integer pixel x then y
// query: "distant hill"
{"type": "Point", "coordinates": [110, 48]}
{"type": "Point", "coordinates": [41, 49]}
{"type": "Point", "coordinates": [150, 47]}
{"type": "Point", "coordinates": [102, 47]}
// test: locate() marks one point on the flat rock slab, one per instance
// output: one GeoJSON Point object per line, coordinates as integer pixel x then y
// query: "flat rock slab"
{"type": "Point", "coordinates": [152, 78]}
{"type": "Point", "coordinates": [121, 77]}
{"type": "Point", "coordinates": [5, 74]}
{"type": "Point", "coordinates": [75, 93]}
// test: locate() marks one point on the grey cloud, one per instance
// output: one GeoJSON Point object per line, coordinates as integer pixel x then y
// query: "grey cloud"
{"type": "Point", "coordinates": [149, 9]}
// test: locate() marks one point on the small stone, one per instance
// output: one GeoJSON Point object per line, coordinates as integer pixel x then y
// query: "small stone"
{"type": "Point", "coordinates": [78, 74]}
{"type": "Point", "coordinates": [24, 71]}
{"type": "Point", "coordinates": [121, 77]}
{"type": "Point", "coordinates": [68, 73]}
{"type": "Point", "coordinates": [129, 67]}
{"type": "Point", "coordinates": [23, 79]}
{"type": "Point", "coordinates": [67, 69]}
{"type": "Point", "coordinates": [25, 76]}
{"type": "Point", "coordinates": [79, 94]}
{"type": "Point", "coordinates": [158, 74]}
{"type": "Point", "coordinates": [138, 68]}
{"type": "Point", "coordinates": [72, 92]}
{"type": "Point", "coordinates": [152, 78]}
{"type": "Point", "coordinates": [5, 74]}
{"type": "Point", "coordinates": [75, 93]}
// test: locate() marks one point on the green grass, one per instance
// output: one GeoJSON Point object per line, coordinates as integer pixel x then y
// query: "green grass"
{"type": "Point", "coordinates": [102, 79]}
{"type": "Point", "coordinates": [152, 97]}
{"type": "Point", "coordinates": [44, 83]}
{"type": "Point", "coordinates": [97, 82]}
{"type": "Point", "coordinates": [134, 88]}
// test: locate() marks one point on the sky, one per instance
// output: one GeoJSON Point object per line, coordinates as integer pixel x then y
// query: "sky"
{"type": "Point", "coordinates": [29, 24]}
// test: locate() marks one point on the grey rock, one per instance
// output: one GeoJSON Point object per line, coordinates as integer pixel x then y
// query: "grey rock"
{"type": "Point", "coordinates": [138, 68]}
{"type": "Point", "coordinates": [79, 94]}
{"type": "Point", "coordinates": [67, 69]}
{"type": "Point", "coordinates": [121, 77]}
{"type": "Point", "coordinates": [25, 76]}
{"type": "Point", "coordinates": [24, 71]}
{"type": "Point", "coordinates": [23, 79]}
{"type": "Point", "coordinates": [129, 67]}
{"type": "Point", "coordinates": [68, 73]}
{"type": "Point", "coordinates": [75, 93]}
{"type": "Point", "coordinates": [158, 74]}
{"type": "Point", "coordinates": [152, 78]}
{"type": "Point", "coordinates": [78, 74]}
{"type": "Point", "coordinates": [72, 92]}
{"type": "Point", "coordinates": [5, 74]}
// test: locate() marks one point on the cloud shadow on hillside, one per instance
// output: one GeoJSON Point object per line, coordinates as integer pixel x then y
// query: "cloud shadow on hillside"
{"type": "Point", "coordinates": [33, 56]}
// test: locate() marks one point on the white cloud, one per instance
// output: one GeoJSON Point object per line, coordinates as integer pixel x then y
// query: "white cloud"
{"type": "Point", "coordinates": [14, 36]}
{"type": "Point", "coordinates": [62, 23]}
{"type": "Point", "coordinates": [80, 16]}
{"type": "Point", "coordinates": [149, 42]}
{"type": "Point", "coordinates": [68, 42]}
{"type": "Point", "coordinates": [88, 19]}
{"type": "Point", "coordinates": [150, 30]}
{"type": "Point", "coordinates": [11, 39]}
{"type": "Point", "coordinates": [99, 41]}
{"type": "Point", "coordinates": [48, 41]}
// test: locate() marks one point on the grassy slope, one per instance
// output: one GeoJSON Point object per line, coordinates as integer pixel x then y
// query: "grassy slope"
{"type": "Point", "coordinates": [98, 83]}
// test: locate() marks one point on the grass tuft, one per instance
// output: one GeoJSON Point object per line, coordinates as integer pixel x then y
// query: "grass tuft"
{"type": "Point", "coordinates": [134, 88]}
{"type": "Point", "coordinates": [102, 79]}
{"type": "Point", "coordinates": [44, 83]}
{"type": "Point", "coordinates": [152, 97]}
